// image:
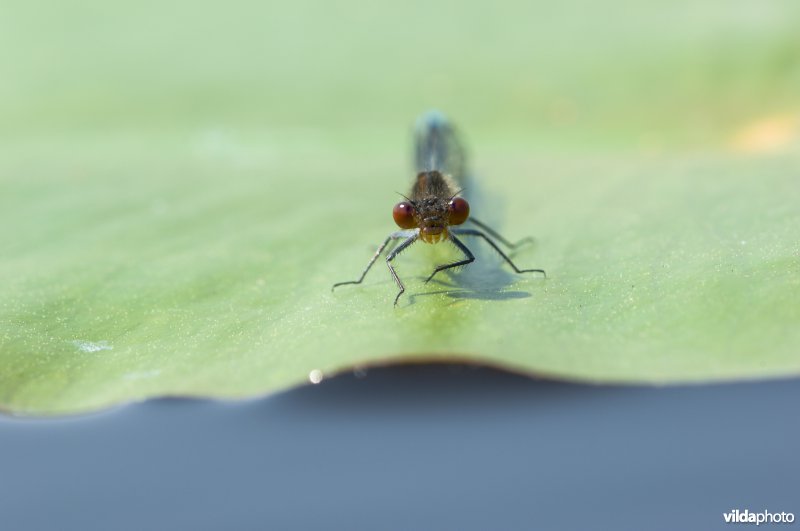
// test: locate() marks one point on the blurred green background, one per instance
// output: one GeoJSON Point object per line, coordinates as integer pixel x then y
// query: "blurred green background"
{"type": "Point", "coordinates": [181, 182]}
{"type": "Point", "coordinates": [600, 72]}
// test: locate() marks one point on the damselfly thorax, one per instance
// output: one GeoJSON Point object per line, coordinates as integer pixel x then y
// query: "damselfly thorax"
{"type": "Point", "coordinates": [434, 211]}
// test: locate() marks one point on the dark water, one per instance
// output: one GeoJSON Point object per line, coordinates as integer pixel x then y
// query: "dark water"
{"type": "Point", "coordinates": [435, 447]}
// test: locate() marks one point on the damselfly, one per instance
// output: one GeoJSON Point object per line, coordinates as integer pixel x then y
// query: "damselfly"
{"type": "Point", "coordinates": [435, 210]}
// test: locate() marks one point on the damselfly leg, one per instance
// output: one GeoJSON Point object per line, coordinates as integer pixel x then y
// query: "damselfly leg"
{"type": "Point", "coordinates": [463, 248]}
{"type": "Point", "coordinates": [408, 237]}
{"type": "Point", "coordinates": [399, 249]}
{"type": "Point", "coordinates": [471, 258]}
{"type": "Point", "coordinates": [496, 235]}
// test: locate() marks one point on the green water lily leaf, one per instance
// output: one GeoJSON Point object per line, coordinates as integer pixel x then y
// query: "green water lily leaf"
{"type": "Point", "coordinates": [173, 226]}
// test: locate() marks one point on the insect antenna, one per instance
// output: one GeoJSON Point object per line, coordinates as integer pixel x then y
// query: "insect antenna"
{"type": "Point", "coordinates": [406, 198]}
{"type": "Point", "coordinates": [455, 194]}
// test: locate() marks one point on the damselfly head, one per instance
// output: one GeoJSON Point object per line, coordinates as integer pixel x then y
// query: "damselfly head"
{"type": "Point", "coordinates": [431, 215]}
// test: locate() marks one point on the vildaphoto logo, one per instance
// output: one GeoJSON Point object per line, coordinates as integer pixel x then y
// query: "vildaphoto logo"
{"type": "Point", "coordinates": [764, 517]}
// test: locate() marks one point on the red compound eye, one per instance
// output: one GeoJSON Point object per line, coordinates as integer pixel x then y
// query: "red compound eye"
{"type": "Point", "coordinates": [403, 214]}
{"type": "Point", "coordinates": [459, 211]}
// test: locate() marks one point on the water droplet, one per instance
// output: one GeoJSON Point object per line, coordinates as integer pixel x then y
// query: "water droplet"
{"type": "Point", "coordinates": [360, 372]}
{"type": "Point", "coordinates": [88, 346]}
{"type": "Point", "coordinates": [315, 376]}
